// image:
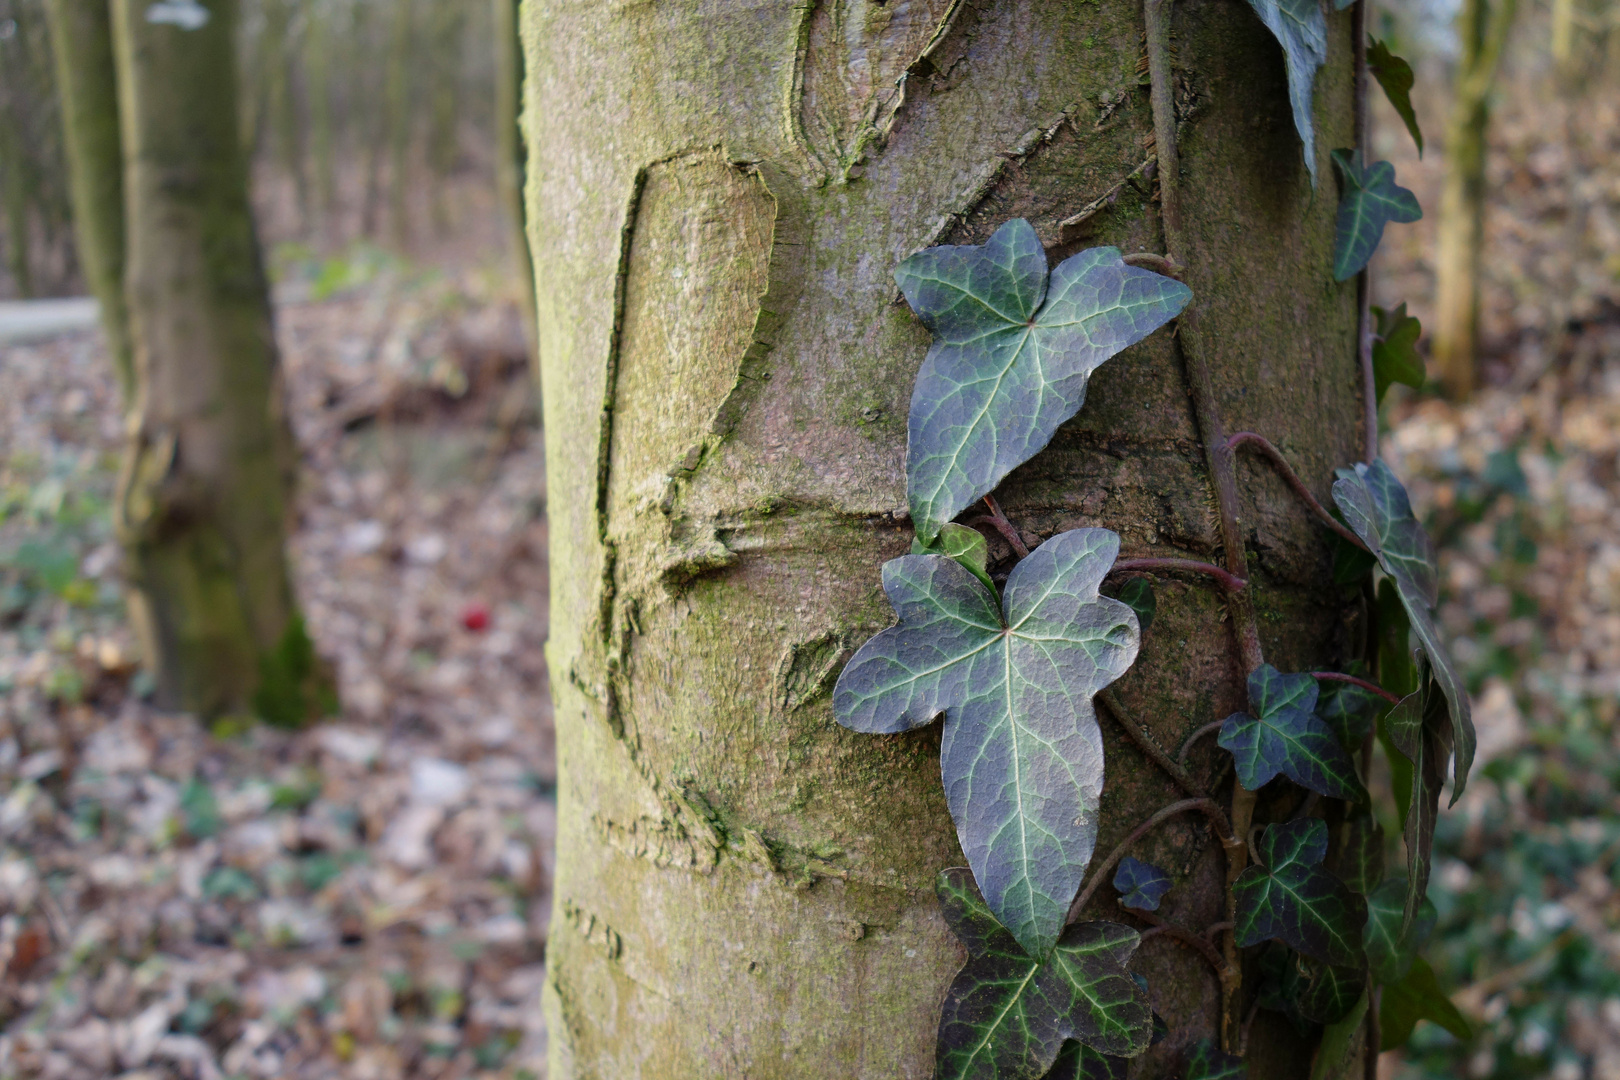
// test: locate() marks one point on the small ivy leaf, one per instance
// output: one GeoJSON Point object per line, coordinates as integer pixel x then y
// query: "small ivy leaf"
{"type": "Point", "coordinates": [1377, 509]}
{"type": "Point", "coordinates": [1300, 27]}
{"type": "Point", "coordinates": [1349, 710]}
{"type": "Point", "coordinates": [1292, 899]}
{"type": "Point", "coordinates": [1370, 199]}
{"type": "Point", "coordinates": [1417, 997]}
{"type": "Point", "coordinates": [1417, 732]}
{"type": "Point", "coordinates": [1282, 734]}
{"type": "Point", "coordinates": [966, 545]}
{"type": "Point", "coordinates": [1141, 885]}
{"type": "Point", "coordinates": [1394, 354]}
{"type": "Point", "coordinates": [1395, 76]}
{"type": "Point", "coordinates": [1078, 1062]}
{"type": "Point", "coordinates": [1206, 1061]}
{"type": "Point", "coordinates": [1360, 863]}
{"type": "Point", "coordinates": [1137, 594]}
{"type": "Point", "coordinates": [1330, 991]}
{"type": "Point", "coordinates": [1007, 1014]}
{"type": "Point", "coordinates": [1390, 949]}
{"type": "Point", "coordinates": [1340, 1044]}
{"type": "Point", "coordinates": [1012, 355]}
{"type": "Point", "coordinates": [1021, 753]}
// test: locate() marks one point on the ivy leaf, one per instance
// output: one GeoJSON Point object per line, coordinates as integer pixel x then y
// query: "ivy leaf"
{"type": "Point", "coordinates": [1282, 984]}
{"type": "Point", "coordinates": [1395, 76]}
{"type": "Point", "coordinates": [1397, 668]}
{"type": "Point", "coordinates": [1141, 885]}
{"type": "Point", "coordinates": [1351, 562]}
{"type": "Point", "coordinates": [965, 911]}
{"type": "Point", "coordinates": [1079, 1062]}
{"type": "Point", "coordinates": [1021, 753]}
{"type": "Point", "coordinates": [966, 545]}
{"type": "Point", "coordinates": [1377, 509]}
{"type": "Point", "coordinates": [1007, 1014]}
{"type": "Point", "coordinates": [1370, 199]}
{"type": "Point", "coordinates": [1360, 863]}
{"type": "Point", "coordinates": [1300, 28]}
{"type": "Point", "coordinates": [1012, 355]}
{"type": "Point", "coordinates": [1417, 997]}
{"type": "Point", "coordinates": [1416, 730]}
{"type": "Point", "coordinates": [1349, 710]}
{"type": "Point", "coordinates": [1292, 899]}
{"type": "Point", "coordinates": [1390, 948]}
{"type": "Point", "coordinates": [1394, 354]}
{"type": "Point", "coordinates": [1206, 1061]}
{"type": "Point", "coordinates": [1283, 734]}
{"type": "Point", "coordinates": [1331, 991]}
{"type": "Point", "coordinates": [1137, 594]}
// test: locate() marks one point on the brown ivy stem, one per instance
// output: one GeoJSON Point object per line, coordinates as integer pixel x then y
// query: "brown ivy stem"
{"type": "Point", "coordinates": [1201, 388]}
{"type": "Point", "coordinates": [1197, 942]}
{"type": "Point", "coordinates": [1209, 807]}
{"type": "Point", "coordinates": [1214, 930]}
{"type": "Point", "coordinates": [1213, 725]}
{"type": "Point", "coordinates": [1225, 579]}
{"type": "Point", "coordinates": [1005, 527]}
{"type": "Point", "coordinates": [1159, 264]}
{"type": "Point", "coordinates": [1339, 676]}
{"type": "Point", "coordinates": [1144, 739]}
{"type": "Point", "coordinates": [1291, 478]}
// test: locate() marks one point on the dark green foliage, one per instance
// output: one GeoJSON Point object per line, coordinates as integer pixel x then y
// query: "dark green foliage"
{"type": "Point", "coordinates": [1078, 1062]}
{"type": "Point", "coordinates": [967, 546]}
{"type": "Point", "coordinates": [1206, 1061]}
{"type": "Point", "coordinates": [1377, 509]}
{"type": "Point", "coordinates": [1395, 76]}
{"type": "Point", "coordinates": [1417, 731]}
{"type": "Point", "coordinates": [1360, 862]}
{"type": "Point", "coordinates": [1369, 200]}
{"type": "Point", "coordinates": [1137, 594]}
{"type": "Point", "coordinates": [1282, 985]}
{"type": "Point", "coordinates": [1141, 885]}
{"type": "Point", "coordinates": [1349, 710]}
{"type": "Point", "coordinates": [1282, 734]}
{"type": "Point", "coordinates": [1416, 997]}
{"type": "Point", "coordinates": [1301, 29]}
{"type": "Point", "coordinates": [1007, 1014]}
{"type": "Point", "coordinates": [1021, 753]}
{"type": "Point", "coordinates": [1330, 992]}
{"type": "Point", "coordinates": [1012, 355]}
{"type": "Point", "coordinates": [1395, 356]}
{"type": "Point", "coordinates": [291, 690]}
{"type": "Point", "coordinates": [1391, 946]}
{"type": "Point", "coordinates": [1292, 899]}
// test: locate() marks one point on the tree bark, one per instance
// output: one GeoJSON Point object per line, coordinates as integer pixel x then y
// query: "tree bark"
{"type": "Point", "coordinates": [718, 196]}
{"type": "Point", "coordinates": [81, 33]}
{"type": "Point", "coordinates": [510, 159]}
{"type": "Point", "coordinates": [207, 476]}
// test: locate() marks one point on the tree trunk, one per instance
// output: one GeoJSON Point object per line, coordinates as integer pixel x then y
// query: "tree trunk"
{"type": "Point", "coordinates": [510, 162]}
{"type": "Point", "coordinates": [81, 31]}
{"type": "Point", "coordinates": [718, 197]}
{"type": "Point", "coordinates": [1482, 28]}
{"type": "Point", "coordinates": [207, 477]}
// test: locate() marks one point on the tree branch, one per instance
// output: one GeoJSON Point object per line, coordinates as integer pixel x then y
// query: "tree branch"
{"type": "Point", "coordinates": [1274, 455]}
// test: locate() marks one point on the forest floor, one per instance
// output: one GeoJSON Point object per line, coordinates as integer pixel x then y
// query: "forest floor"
{"type": "Point", "coordinates": [368, 898]}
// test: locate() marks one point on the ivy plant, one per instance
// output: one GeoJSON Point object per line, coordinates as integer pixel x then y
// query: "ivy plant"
{"type": "Point", "coordinates": [1300, 27]}
{"type": "Point", "coordinates": [1370, 200]}
{"type": "Point", "coordinates": [1290, 897]}
{"type": "Point", "coordinates": [1281, 733]}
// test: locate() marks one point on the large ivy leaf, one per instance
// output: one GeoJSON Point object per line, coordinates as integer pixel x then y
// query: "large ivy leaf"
{"type": "Point", "coordinates": [1012, 355]}
{"type": "Point", "coordinates": [1206, 1061]}
{"type": "Point", "coordinates": [1369, 201]}
{"type": "Point", "coordinates": [1391, 946]}
{"type": "Point", "coordinates": [1377, 509]}
{"type": "Point", "coordinates": [1360, 863]}
{"type": "Point", "coordinates": [1300, 28]}
{"type": "Point", "coordinates": [1021, 753]}
{"type": "Point", "coordinates": [1007, 1015]}
{"type": "Point", "coordinates": [1292, 899]}
{"type": "Point", "coordinates": [1348, 710]}
{"type": "Point", "coordinates": [1394, 355]}
{"type": "Point", "coordinates": [1330, 991]}
{"type": "Point", "coordinates": [1079, 1062]}
{"type": "Point", "coordinates": [967, 546]}
{"type": "Point", "coordinates": [1416, 997]}
{"type": "Point", "coordinates": [1395, 76]}
{"type": "Point", "coordinates": [1282, 734]}
{"type": "Point", "coordinates": [1141, 885]}
{"type": "Point", "coordinates": [1417, 732]}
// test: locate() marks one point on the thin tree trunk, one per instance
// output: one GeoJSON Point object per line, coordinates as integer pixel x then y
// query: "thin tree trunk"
{"type": "Point", "coordinates": [81, 31]}
{"type": "Point", "coordinates": [744, 888]}
{"type": "Point", "coordinates": [397, 106]}
{"type": "Point", "coordinates": [1482, 29]}
{"type": "Point", "coordinates": [510, 163]}
{"type": "Point", "coordinates": [203, 499]}
{"type": "Point", "coordinates": [318, 78]}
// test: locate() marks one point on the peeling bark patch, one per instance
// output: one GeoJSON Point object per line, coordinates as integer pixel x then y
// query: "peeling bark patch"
{"type": "Point", "coordinates": [593, 930]}
{"type": "Point", "coordinates": [806, 669]}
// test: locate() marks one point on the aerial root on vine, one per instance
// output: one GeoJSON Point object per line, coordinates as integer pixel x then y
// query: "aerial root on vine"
{"type": "Point", "coordinates": [1339, 676]}
{"type": "Point", "coordinates": [1204, 805]}
{"type": "Point", "coordinates": [1274, 455]}
{"type": "Point", "coordinates": [1227, 580]}
{"type": "Point", "coordinates": [1199, 943]}
{"type": "Point", "coordinates": [1144, 739]}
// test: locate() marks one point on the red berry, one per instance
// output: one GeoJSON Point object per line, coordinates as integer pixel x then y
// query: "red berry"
{"type": "Point", "coordinates": [475, 617]}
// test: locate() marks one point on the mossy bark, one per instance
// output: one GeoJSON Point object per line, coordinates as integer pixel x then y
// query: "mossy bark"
{"type": "Point", "coordinates": [87, 86]}
{"type": "Point", "coordinates": [717, 196]}
{"type": "Point", "coordinates": [207, 477]}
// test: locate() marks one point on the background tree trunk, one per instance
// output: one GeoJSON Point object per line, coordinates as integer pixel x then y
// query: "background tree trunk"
{"type": "Point", "coordinates": [81, 32]}
{"type": "Point", "coordinates": [510, 163]}
{"type": "Point", "coordinates": [718, 196]}
{"type": "Point", "coordinates": [203, 497]}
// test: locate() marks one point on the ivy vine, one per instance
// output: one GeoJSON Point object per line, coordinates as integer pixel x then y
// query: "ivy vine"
{"type": "Point", "coordinates": [1016, 672]}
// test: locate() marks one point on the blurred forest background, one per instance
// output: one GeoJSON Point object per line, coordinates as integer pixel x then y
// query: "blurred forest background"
{"type": "Point", "coordinates": [369, 897]}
